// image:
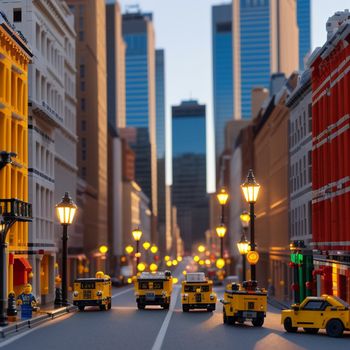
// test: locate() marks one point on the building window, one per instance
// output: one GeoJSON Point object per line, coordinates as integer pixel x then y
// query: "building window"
{"type": "Point", "coordinates": [83, 172]}
{"type": "Point", "coordinates": [83, 154]}
{"type": "Point", "coordinates": [81, 35]}
{"type": "Point", "coordinates": [82, 104]}
{"type": "Point", "coordinates": [82, 71]}
{"type": "Point", "coordinates": [83, 125]}
{"type": "Point", "coordinates": [82, 86]}
{"type": "Point", "coordinates": [310, 117]}
{"type": "Point", "coordinates": [17, 15]}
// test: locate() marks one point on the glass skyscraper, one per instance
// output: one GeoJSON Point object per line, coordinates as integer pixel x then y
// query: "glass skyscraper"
{"type": "Point", "coordinates": [222, 71]}
{"type": "Point", "coordinates": [189, 193]}
{"type": "Point", "coordinates": [140, 80]}
{"type": "Point", "coordinates": [160, 103]}
{"type": "Point", "coordinates": [304, 23]}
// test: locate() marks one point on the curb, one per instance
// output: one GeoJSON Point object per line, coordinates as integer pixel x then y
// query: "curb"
{"type": "Point", "coordinates": [45, 316]}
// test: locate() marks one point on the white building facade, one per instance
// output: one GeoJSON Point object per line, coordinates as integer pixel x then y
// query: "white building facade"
{"type": "Point", "coordinates": [300, 162]}
{"type": "Point", "coordinates": [48, 27]}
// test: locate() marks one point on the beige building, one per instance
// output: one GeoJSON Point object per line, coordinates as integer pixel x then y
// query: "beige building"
{"type": "Point", "coordinates": [90, 26]}
{"type": "Point", "coordinates": [265, 41]}
{"type": "Point", "coordinates": [271, 155]}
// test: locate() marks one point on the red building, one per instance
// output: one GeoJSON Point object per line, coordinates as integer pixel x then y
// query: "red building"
{"type": "Point", "coordinates": [331, 164]}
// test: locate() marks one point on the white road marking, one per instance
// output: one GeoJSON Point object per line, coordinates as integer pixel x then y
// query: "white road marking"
{"type": "Point", "coordinates": [121, 293]}
{"type": "Point", "coordinates": [162, 332]}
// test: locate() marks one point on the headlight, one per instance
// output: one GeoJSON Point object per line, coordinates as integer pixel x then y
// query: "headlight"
{"type": "Point", "coordinates": [185, 296]}
{"type": "Point", "coordinates": [164, 294]}
{"type": "Point", "coordinates": [212, 296]}
{"type": "Point", "coordinates": [99, 293]}
{"type": "Point", "coordinates": [75, 293]}
{"type": "Point", "coordinates": [261, 307]}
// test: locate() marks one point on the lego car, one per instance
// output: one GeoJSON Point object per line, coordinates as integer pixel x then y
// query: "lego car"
{"type": "Point", "coordinates": [93, 292]}
{"type": "Point", "coordinates": [197, 293]}
{"type": "Point", "coordinates": [153, 288]}
{"type": "Point", "coordinates": [325, 312]}
{"type": "Point", "coordinates": [244, 302]}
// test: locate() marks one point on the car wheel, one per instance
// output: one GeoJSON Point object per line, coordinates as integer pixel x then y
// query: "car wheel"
{"type": "Point", "coordinates": [311, 330]}
{"type": "Point", "coordinates": [258, 322]}
{"type": "Point", "coordinates": [231, 320]}
{"type": "Point", "coordinates": [335, 328]}
{"type": "Point", "coordinates": [104, 307]}
{"type": "Point", "coordinates": [109, 305]}
{"type": "Point", "coordinates": [140, 306]}
{"type": "Point", "coordinates": [288, 326]}
{"type": "Point", "coordinates": [185, 308]}
{"type": "Point", "coordinates": [81, 307]}
{"type": "Point", "coordinates": [166, 306]}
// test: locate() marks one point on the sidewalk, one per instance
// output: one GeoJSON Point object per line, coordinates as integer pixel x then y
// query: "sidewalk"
{"type": "Point", "coordinates": [47, 312]}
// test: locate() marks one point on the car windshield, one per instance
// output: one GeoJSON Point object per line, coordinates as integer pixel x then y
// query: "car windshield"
{"type": "Point", "coordinates": [344, 303]}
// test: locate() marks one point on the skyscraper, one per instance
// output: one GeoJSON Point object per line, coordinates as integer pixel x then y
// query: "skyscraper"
{"type": "Point", "coordinates": [304, 24]}
{"type": "Point", "coordinates": [265, 41]}
{"type": "Point", "coordinates": [189, 170]}
{"type": "Point", "coordinates": [90, 26]}
{"type": "Point", "coordinates": [160, 125]}
{"type": "Point", "coordinates": [138, 34]}
{"type": "Point", "coordinates": [222, 71]}
{"type": "Point", "coordinates": [115, 66]}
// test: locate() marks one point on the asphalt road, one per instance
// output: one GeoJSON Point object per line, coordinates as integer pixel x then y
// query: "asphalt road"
{"type": "Point", "coordinates": [125, 327]}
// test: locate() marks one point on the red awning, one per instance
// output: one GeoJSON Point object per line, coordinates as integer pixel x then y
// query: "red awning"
{"type": "Point", "coordinates": [25, 264]}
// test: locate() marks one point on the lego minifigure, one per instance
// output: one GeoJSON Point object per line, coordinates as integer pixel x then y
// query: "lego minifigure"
{"type": "Point", "coordinates": [27, 301]}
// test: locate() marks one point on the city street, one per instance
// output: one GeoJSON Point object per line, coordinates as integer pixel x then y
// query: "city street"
{"type": "Point", "coordinates": [125, 327]}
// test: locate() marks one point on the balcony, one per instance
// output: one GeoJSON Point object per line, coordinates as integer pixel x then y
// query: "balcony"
{"type": "Point", "coordinates": [15, 210]}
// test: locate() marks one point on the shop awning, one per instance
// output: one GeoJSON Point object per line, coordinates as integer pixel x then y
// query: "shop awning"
{"type": "Point", "coordinates": [27, 267]}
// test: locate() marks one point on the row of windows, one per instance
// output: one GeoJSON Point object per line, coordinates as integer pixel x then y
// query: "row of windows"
{"type": "Point", "coordinates": [44, 160]}
{"type": "Point", "coordinates": [301, 220]}
{"type": "Point", "coordinates": [301, 172]}
{"type": "Point", "coordinates": [301, 126]}
{"type": "Point", "coordinates": [46, 92]}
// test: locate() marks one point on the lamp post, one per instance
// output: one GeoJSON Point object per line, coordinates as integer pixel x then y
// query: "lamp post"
{"type": "Point", "coordinates": [65, 211]}
{"type": "Point", "coordinates": [222, 197]}
{"type": "Point", "coordinates": [250, 190]}
{"type": "Point", "coordinates": [243, 244]}
{"type": "Point", "coordinates": [137, 234]}
{"type": "Point", "coordinates": [221, 231]}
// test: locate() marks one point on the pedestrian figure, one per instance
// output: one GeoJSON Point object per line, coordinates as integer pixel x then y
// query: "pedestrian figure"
{"type": "Point", "coordinates": [27, 301]}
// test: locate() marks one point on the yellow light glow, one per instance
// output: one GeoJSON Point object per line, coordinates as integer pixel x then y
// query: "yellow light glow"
{"type": "Point", "coordinates": [66, 210]}
{"type": "Point", "coordinates": [137, 233]}
{"type": "Point", "coordinates": [175, 262]}
{"type": "Point", "coordinates": [222, 196]}
{"type": "Point", "coordinates": [220, 263]}
{"type": "Point", "coordinates": [141, 267]}
{"type": "Point", "coordinates": [129, 280]}
{"type": "Point", "coordinates": [184, 272]}
{"type": "Point", "coordinates": [253, 257]}
{"type": "Point", "coordinates": [196, 258]}
{"type": "Point", "coordinates": [207, 261]}
{"type": "Point", "coordinates": [146, 245]}
{"type": "Point", "coordinates": [250, 188]}
{"type": "Point", "coordinates": [175, 280]}
{"type": "Point", "coordinates": [201, 262]}
{"type": "Point", "coordinates": [153, 267]}
{"type": "Point", "coordinates": [245, 219]}
{"type": "Point", "coordinates": [221, 231]}
{"type": "Point", "coordinates": [138, 255]}
{"type": "Point", "coordinates": [129, 249]}
{"type": "Point", "coordinates": [243, 246]}
{"type": "Point", "coordinates": [166, 258]}
{"type": "Point", "coordinates": [154, 249]}
{"type": "Point", "coordinates": [103, 249]}
{"type": "Point", "coordinates": [169, 263]}
{"type": "Point", "coordinates": [201, 248]}
{"type": "Point", "coordinates": [179, 258]}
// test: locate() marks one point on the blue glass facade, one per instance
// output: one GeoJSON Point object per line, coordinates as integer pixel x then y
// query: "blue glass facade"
{"type": "Point", "coordinates": [222, 71]}
{"type": "Point", "coordinates": [136, 77]}
{"type": "Point", "coordinates": [255, 49]}
{"type": "Point", "coordinates": [160, 103]}
{"type": "Point", "coordinates": [304, 22]}
{"type": "Point", "coordinates": [189, 193]}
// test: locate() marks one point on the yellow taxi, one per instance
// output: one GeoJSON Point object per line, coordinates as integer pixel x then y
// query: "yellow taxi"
{"type": "Point", "coordinates": [325, 312]}
{"type": "Point", "coordinates": [153, 288]}
{"type": "Point", "coordinates": [93, 292]}
{"type": "Point", "coordinates": [197, 293]}
{"type": "Point", "coordinates": [244, 302]}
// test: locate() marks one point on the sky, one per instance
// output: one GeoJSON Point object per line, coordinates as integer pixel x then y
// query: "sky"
{"type": "Point", "coordinates": [183, 29]}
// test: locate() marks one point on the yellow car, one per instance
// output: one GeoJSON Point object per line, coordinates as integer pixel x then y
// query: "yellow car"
{"type": "Point", "coordinates": [246, 302]}
{"type": "Point", "coordinates": [93, 292]}
{"type": "Point", "coordinates": [153, 288]}
{"type": "Point", "coordinates": [325, 312]}
{"type": "Point", "coordinates": [197, 293]}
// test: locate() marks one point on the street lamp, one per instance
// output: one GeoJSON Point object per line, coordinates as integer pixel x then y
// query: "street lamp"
{"type": "Point", "coordinates": [154, 249]}
{"type": "Point", "coordinates": [222, 197]}
{"type": "Point", "coordinates": [137, 234]}
{"type": "Point", "coordinates": [146, 245]}
{"type": "Point", "coordinates": [250, 190]}
{"type": "Point", "coordinates": [65, 211]}
{"type": "Point", "coordinates": [221, 231]}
